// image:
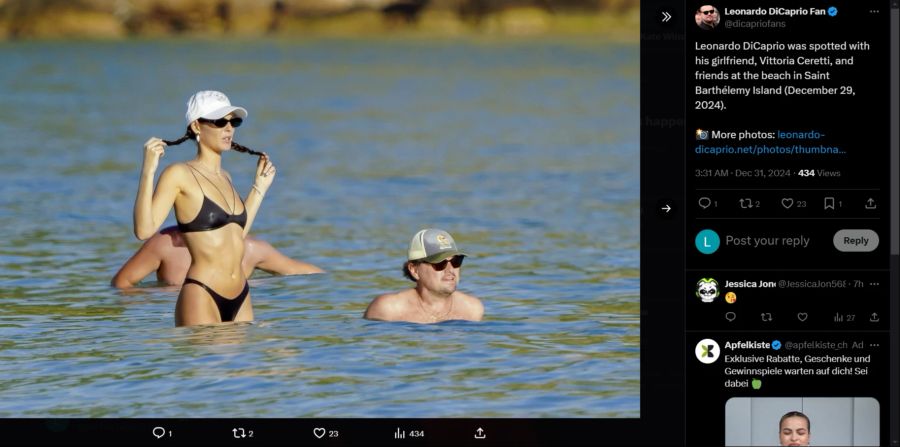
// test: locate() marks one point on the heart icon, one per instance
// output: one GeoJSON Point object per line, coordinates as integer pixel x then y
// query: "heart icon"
{"type": "Point", "coordinates": [319, 432]}
{"type": "Point", "coordinates": [802, 316]}
{"type": "Point", "coordinates": [787, 202]}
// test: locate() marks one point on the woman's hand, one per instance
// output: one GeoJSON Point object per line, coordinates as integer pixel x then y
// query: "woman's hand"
{"type": "Point", "coordinates": [154, 148]}
{"type": "Point", "coordinates": [265, 173]}
{"type": "Point", "coordinates": [151, 207]}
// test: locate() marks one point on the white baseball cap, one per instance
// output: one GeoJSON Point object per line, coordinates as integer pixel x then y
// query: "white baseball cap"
{"type": "Point", "coordinates": [211, 104]}
{"type": "Point", "coordinates": [432, 245]}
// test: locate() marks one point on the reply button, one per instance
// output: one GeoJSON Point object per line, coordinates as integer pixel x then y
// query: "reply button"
{"type": "Point", "coordinates": [856, 240]}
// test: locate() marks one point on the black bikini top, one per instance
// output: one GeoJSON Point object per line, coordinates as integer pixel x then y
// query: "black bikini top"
{"type": "Point", "coordinates": [211, 215]}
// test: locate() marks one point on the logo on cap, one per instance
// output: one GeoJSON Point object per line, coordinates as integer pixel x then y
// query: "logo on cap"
{"type": "Point", "coordinates": [443, 243]}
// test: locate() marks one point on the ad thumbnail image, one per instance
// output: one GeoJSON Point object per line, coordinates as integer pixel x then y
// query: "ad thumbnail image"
{"type": "Point", "coordinates": [851, 421]}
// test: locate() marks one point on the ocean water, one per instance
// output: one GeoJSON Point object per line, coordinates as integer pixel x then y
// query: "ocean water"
{"type": "Point", "coordinates": [526, 150]}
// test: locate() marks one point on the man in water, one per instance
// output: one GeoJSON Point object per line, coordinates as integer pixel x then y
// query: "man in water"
{"type": "Point", "coordinates": [166, 253]}
{"type": "Point", "coordinates": [434, 263]}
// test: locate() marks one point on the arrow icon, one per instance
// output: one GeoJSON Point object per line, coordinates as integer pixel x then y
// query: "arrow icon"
{"type": "Point", "coordinates": [666, 208]}
{"type": "Point", "coordinates": [666, 17]}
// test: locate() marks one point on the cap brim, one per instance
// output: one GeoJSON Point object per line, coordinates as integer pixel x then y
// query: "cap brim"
{"type": "Point", "coordinates": [221, 113]}
{"type": "Point", "coordinates": [438, 257]}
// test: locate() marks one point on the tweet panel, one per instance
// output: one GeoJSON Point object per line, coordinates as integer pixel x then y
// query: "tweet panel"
{"type": "Point", "coordinates": [790, 238]}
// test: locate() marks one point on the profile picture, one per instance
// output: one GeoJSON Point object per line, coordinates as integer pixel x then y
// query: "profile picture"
{"type": "Point", "coordinates": [707, 351]}
{"type": "Point", "coordinates": [707, 17]}
{"type": "Point", "coordinates": [707, 290]}
{"type": "Point", "coordinates": [799, 421]}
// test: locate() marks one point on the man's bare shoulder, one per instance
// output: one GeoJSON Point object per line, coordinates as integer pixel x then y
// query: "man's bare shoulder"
{"type": "Point", "coordinates": [388, 306]}
{"type": "Point", "coordinates": [157, 243]}
{"type": "Point", "coordinates": [165, 241]}
{"type": "Point", "coordinates": [169, 237]}
{"type": "Point", "coordinates": [471, 305]}
{"type": "Point", "coordinates": [252, 247]}
{"type": "Point", "coordinates": [253, 242]}
{"type": "Point", "coordinates": [257, 249]}
{"type": "Point", "coordinates": [469, 300]}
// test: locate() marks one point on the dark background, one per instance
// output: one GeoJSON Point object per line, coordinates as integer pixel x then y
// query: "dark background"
{"type": "Point", "coordinates": [860, 126]}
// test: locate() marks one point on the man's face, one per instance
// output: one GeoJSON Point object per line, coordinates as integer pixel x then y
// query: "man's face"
{"type": "Point", "coordinates": [443, 281]}
{"type": "Point", "coordinates": [709, 14]}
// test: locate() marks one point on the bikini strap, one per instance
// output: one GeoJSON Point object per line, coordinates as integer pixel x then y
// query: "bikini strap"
{"type": "Point", "coordinates": [196, 179]}
{"type": "Point", "coordinates": [232, 206]}
{"type": "Point", "coordinates": [234, 195]}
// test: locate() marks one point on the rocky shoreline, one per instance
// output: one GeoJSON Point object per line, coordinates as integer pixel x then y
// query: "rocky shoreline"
{"type": "Point", "coordinates": [120, 19]}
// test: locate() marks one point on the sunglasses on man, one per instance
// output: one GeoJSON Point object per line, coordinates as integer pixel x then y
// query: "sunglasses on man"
{"type": "Point", "coordinates": [455, 261]}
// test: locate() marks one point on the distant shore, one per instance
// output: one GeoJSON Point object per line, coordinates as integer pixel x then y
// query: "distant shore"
{"type": "Point", "coordinates": [122, 19]}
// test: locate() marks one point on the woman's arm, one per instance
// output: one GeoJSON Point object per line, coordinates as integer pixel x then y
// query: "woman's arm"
{"type": "Point", "coordinates": [151, 207]}
{"type": "Point", "coordinates": [265, 174]}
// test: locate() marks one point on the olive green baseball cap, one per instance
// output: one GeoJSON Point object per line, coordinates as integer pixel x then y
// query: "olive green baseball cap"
{"type": "Point", "coordinates": [432, 245]}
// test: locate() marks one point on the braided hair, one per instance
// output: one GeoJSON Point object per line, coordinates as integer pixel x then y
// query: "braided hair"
{"type": "Point", "coordinates": [190, 135]}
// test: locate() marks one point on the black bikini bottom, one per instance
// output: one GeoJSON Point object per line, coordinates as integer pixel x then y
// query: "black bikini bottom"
{"type": "Point", "coordinates": [228, 308]}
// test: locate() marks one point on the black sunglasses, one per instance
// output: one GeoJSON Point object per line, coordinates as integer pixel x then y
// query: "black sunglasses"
{"type": "Point", "coordinates": [708, 12]}
{"type": "Point", "coordinates": [455, 261]}
{"type": "Point", "coordinates": [222, 122]}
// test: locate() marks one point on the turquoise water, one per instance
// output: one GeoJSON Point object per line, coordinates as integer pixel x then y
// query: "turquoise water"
{"type": "Point", "coordinates": [525, 150]}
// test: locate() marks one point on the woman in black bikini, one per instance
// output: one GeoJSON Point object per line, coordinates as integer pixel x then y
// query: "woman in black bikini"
{"type": "Point", "coordinates": [209, 211]}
